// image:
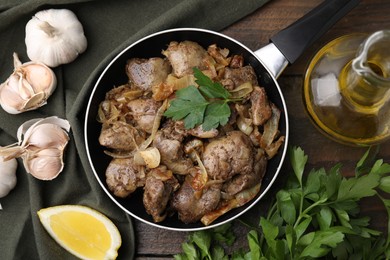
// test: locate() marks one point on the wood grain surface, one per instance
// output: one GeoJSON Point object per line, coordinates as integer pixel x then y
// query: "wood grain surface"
{"type": "Point", "coordinates": [255, 31]}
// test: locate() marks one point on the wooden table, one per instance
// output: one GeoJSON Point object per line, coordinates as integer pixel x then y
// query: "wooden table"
{"type": "Point", "coordinates": [254, 31]}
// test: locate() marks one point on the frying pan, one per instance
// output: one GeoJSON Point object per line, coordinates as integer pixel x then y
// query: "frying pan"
{"type": "Point", "coordinates": [268, 62]}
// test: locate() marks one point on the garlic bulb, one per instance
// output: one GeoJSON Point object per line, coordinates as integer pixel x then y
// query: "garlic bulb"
{"type": "Point", "coordinates": [150, 157]}
{"type": "Point", "coordinates": [41, 146]}
{"type": "Point", "coordinates": [54, 37]}
{"type": "Point", "coordinates": [7, 175]}
{"type": "Point", "coordinates": [28, 88]}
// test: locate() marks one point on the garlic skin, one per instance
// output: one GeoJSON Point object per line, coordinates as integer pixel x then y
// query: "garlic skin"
{"type": "Point", "coordinates": [55, 37]}
{"type": "Point", "coordinates": [41, 145]}
{"type": "Point", "coordinates": [28, 87]}
{"type": "Point", "coordinates": [7, 175]}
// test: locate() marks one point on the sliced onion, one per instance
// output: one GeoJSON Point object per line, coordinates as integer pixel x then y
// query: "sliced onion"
{"type": "Point", "coordinates": [201, 177]}
{"type": "Point", "coordinates": [245, 125]}
{"type": "Point", "coordinates": [138, 160]}
{"type": "Point", "coordinates": [183, 82]}
{"type": "Point", "coordinates": [271, 128]}
{"type": "Point", "coordinates": [239, 200]}
{"type": "Point", "coordinates": [129, 95]}
{"type": "Point", "coordinates": [242, 91]}
{"type": "Point", "coordinates": [273, 148]}
{"type": "Point", "coordinates": [156, 125]}
{"type": "Point", "coordinates": [163, 174]}
{"type": "Point", "coordinates": [118, 155]}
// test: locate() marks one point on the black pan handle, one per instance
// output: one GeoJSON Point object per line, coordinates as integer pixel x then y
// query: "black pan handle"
{"type": "Point", "coordinates": [293, 40]}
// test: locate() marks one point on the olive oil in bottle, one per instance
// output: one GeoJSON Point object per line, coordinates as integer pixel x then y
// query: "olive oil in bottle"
{"type": "Point", "coordinates": [347, 88]}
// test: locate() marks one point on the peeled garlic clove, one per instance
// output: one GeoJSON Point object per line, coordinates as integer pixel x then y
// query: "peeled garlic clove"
{"type": "Point", "coordinates": [44, 164]}
{"type": "Point", "coordinates": [28, 87]}
{"type": "Point", "coordinates": [150, 157]}
{"type": "Point", "coordinates": [7, 175]}
{"type": "Point", "coordinates": [55, 37]}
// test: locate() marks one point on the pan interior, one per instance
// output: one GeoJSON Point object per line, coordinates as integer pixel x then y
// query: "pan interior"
{"type": "Point", "coordinates": [114, 75]}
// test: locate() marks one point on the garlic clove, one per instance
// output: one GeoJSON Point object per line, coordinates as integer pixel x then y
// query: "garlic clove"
{"type": "Point", "coordinates": [55, 37]}
{"type": "Point", "coordinates": [28, 87]}
{"type": "Point", "coordinates": [34, 101]}
{"type": "Point", "coordinates": [10, 99]}
{"type": "Point", "coordinates": [40, 77]}
{"type": "Point", "coordinates": [7, 175]}
{"type": "Point", "coordinates": [29, 124]}
{"type": "Point", "coordinates": [45, 164]}
{"type": "Point", "coordinates": [49, 132]}
{"type": "Point", "coordinates": [150, 157]}
{"type": "Point", "coordinates": [47, 136]}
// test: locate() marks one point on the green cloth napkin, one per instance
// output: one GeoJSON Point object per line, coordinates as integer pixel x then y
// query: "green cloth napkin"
{"type": "Point", "coordinates": [109, 26]}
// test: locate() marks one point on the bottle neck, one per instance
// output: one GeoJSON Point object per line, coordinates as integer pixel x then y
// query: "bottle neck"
{"type": "Point", "coordinates": [365, 81]}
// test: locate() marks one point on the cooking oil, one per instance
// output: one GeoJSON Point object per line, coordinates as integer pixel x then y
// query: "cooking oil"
{"type": "Point", "coordinates": [361, 94]}
{"type": "Point", "coordinates": [346, 88]}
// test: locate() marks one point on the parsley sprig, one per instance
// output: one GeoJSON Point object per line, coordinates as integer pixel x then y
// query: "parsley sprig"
{"type": "Point", "coordinates": [316, 215]}
{"type": "Point", "coordinates": [206, 105]}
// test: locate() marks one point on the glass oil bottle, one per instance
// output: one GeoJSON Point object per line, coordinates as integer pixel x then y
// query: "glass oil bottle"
{"type": "Point", "coordinates": [347, 88]}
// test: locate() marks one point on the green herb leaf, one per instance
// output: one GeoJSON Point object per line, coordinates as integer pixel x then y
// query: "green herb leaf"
{"type": "Point", "coordinates": [365, 163]}
{"type": "Point", "coordinates": [322, 243]}
{"type": "Point", "coordinates": [190, 105]}
{"type": "Point", "coordinates": [224, 234]}
{"type": "Point", "coordinates": [270, 231]}
{"type": "Point", "coordinates": [206, 105]}
{"type": "Point", "coordinates": [357, 188]}
{"type": "Point", "coordinates": [279, 252]}
{"type": "Point", "coordinates": [216, 114]}
{"type": "Point", "coordinates": [290, 238]}
{"type": "Point", "coordinates": [203, 244]}
{"type": "Point", "coordinates": [313, 182]}
{"type": "Point", "coordinates": [209, 88]}
{"type": "Point", "coordinates": [325, 217]}
{"type": "Point", "coordinates": [253, 241]}
{"type": "Point", "coordinates": [240, 254]}
{"type": "Point", "coordinates": [301, 228]}
{"type": "Point", "coordinates": [190, 252]}
{"type": "Point", "coordinates": [343, 217]}
{"type": "Point", "coordinates": [203, 240]}
{"type": "Point", "coordinates": [332, 181]}
{"type": "Point", "coordinates": [286, 206]}
{"type": "Point", "coordinates": [380, 168]}
{"type": "Point", "coordinates": [218, 253]}
{"type": "Point", "coordinates": [385, 184]}
{"type": "Point", "coordinates": [298, 162]}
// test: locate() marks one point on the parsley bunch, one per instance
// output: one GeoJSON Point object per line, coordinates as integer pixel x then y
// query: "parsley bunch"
{"type": "Point", "coordinates": [206, 105]}
{"type": "Point", "coordinates": [316, 215]}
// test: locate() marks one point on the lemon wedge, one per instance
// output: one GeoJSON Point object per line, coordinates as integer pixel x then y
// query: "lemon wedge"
{"type": "Point", "coordinates": [83, 231]}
